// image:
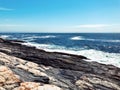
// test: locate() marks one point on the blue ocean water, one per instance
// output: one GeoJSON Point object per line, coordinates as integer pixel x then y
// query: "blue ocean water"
{"type": "Point", "coordinates": [100, 47]}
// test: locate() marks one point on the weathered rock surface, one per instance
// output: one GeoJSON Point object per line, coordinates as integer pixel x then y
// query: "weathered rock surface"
{"type": "Point", "coordinates": [36, 86]}
{"type": "Point", "coordinates": [11, 81]}
{"type": "Point", "coordinates": [28, 68]}
{"type": "Point", "coordinates": [8, 80]}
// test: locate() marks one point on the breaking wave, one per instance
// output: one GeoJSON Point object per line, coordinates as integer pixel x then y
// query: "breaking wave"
{"type": "Point", "coordinates": [77, 38]}
{"type": "Point", "coordinates": [87, 39]}
{"type": "Point", "coordinates": [48, 36]}
{"type": "Point", "coordinates": [4, 36]}
{"type": "Point", "coordinates": [93, 55]}
{"type": "Point", "coordinates": [32, 38]}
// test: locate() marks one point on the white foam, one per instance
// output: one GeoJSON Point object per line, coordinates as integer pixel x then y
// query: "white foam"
{"type": "Point", "coordinates": [4, 36]}
{"type": "Point", "coordinates": [49, 36]}
{"type": "Point", "coordinates": [88, 39]}
{"type": "Point", "coordinates": [102, 40]}
{"type": "Point", "coordinates": [94, 55]}
{"type": "Point", "coordinates": [33, 37]}
{"type": "Point", "coordinates": [111, 40]}
{"type": "Point", "coordinates": [77, 38]}
{"type": "Point", "coordinates": [41, 46]}
{"type": "Point", "coordinates": [102, 57]}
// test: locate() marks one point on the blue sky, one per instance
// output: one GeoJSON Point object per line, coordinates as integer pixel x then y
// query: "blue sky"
{"type": "Point", "coordinates": [59, 15]}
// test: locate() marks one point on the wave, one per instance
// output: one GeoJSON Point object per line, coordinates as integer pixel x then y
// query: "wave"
{"type": "Point", "coordinates": [40, 46]}
{"type": "Point", "coordinates": [94, 55]}
{"type": "Point", "coordinates": [48, 36]}
{"type": "Point", "coordinates": [101, 40]}
{"type": "Point", "coordinates": [32, 38]}
{"type": "Point", "coordinates": [47, 47]}
{"type": "Point", "coordinates": [111, 40]}
{"type": "Point", "coordinates": [102, 57]}
{"type": "Point", "coordinates": [77, 38]}
{"type": "Point", "coordinates": [87, 39]}
{"type": "Point", "coordinates": [4, 36]}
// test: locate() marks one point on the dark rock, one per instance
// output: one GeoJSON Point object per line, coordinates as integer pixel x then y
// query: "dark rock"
{"type": "Point", "coordinates": [26, 76]}
{"type": "Point", "coordinates": [42, 79]}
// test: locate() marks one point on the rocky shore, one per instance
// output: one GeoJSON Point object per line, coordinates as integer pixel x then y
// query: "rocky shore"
{"type": "Point", "coordinates": [28, 68]}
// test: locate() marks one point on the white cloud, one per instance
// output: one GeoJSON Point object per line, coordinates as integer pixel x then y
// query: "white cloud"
{"type": "Point", "coordinates": [5, 9]}
{"type": "Point", "coordinates": [92, 26]}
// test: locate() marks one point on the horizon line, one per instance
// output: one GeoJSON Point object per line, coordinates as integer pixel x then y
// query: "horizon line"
{"type": "Point", "coordinates": [59, 32]}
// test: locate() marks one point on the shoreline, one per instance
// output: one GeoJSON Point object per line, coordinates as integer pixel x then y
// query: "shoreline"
{"type": "Point", "coordinates": [61, 70]}
{"type": "Point", "coordinates": [92, 55]}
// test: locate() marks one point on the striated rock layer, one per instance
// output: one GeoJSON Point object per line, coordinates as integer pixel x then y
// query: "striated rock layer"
{"type": "Point", "coordinates": [27, 68]}
{"type": "Point", "coordinates": [11, 81]}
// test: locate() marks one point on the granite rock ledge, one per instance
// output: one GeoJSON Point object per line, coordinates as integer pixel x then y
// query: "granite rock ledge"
{"type": "Point", "coordinates": [28, 68]}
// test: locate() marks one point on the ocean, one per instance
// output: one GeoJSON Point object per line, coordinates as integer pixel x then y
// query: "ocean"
{"type": "Point", "coordinates": [99, 47]}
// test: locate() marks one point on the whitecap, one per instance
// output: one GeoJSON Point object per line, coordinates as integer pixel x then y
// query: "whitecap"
{"type": "Point", "coordinates": [77, 38]}
{"type": "Point", "coordinates": [34, 37]}
{"type": "Point", "coordinates": [40, 46]}
{"type": "Point", "coordinates": [102, 40]}
{"type": "Point", "coordinates": [110, 40]}
{"type": "Point", "coordinates": [4, 36]}
{"type": "Point", "coordinates": [88, 39]}
{"type": "Point", "coordinates": [49, 36]}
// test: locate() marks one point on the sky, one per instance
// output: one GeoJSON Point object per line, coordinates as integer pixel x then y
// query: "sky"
{"type": "Point", "coordinates": [60, 16]}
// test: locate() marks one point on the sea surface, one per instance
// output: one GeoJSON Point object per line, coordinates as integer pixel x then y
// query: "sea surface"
{"type": "Point", "coordinates": [100, 47]}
